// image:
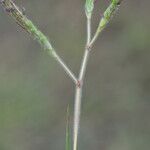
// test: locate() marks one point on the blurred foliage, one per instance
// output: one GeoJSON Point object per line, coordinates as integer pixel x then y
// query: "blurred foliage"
{"type": "Point", "coordinates": [34, 91]}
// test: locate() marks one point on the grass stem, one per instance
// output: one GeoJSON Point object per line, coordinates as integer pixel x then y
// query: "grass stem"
{"type": "Point", "coordinates": [78, 93]}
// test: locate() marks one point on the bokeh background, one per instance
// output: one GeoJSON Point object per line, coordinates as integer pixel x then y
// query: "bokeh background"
{"type": "Point", "coordinates": [35, 92]}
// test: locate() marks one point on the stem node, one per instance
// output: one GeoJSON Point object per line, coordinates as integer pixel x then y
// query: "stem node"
{"type": "Point", "coordinates": [88, 47]}
{"type": "Point", "coordinates": [79, 84]}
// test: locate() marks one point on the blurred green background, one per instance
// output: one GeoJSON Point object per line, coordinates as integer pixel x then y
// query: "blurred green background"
{"type": "Point", "coordinates": [35, 92]}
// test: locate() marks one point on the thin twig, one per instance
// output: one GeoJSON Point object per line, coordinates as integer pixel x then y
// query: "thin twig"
{"type": "Point", "coordinates": [14, 11]}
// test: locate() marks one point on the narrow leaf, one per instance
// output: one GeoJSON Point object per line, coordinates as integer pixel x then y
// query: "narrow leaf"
{"type": "Point", "coordinates": [68, 136]}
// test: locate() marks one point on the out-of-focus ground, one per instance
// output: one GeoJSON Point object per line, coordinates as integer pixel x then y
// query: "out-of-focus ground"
{"type": "Point", "coordinates": [35, 92]}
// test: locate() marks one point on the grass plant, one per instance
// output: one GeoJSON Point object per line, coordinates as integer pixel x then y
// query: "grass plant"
{"type": "Point", "coordinates": [26, 24]}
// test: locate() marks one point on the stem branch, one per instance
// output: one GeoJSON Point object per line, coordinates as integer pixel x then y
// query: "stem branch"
{"type": "Point", "coordinates": [14, 11]}
{"type": "Point", "coordinates": [107, 15]}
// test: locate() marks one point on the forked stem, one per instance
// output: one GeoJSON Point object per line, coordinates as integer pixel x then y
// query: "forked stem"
{"type": "Point", "coordinates": [102, 24]}
{"type": "Point", "coordinates": [28, 26]}
{"type": "Point", "coordinates": [79, 87]}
